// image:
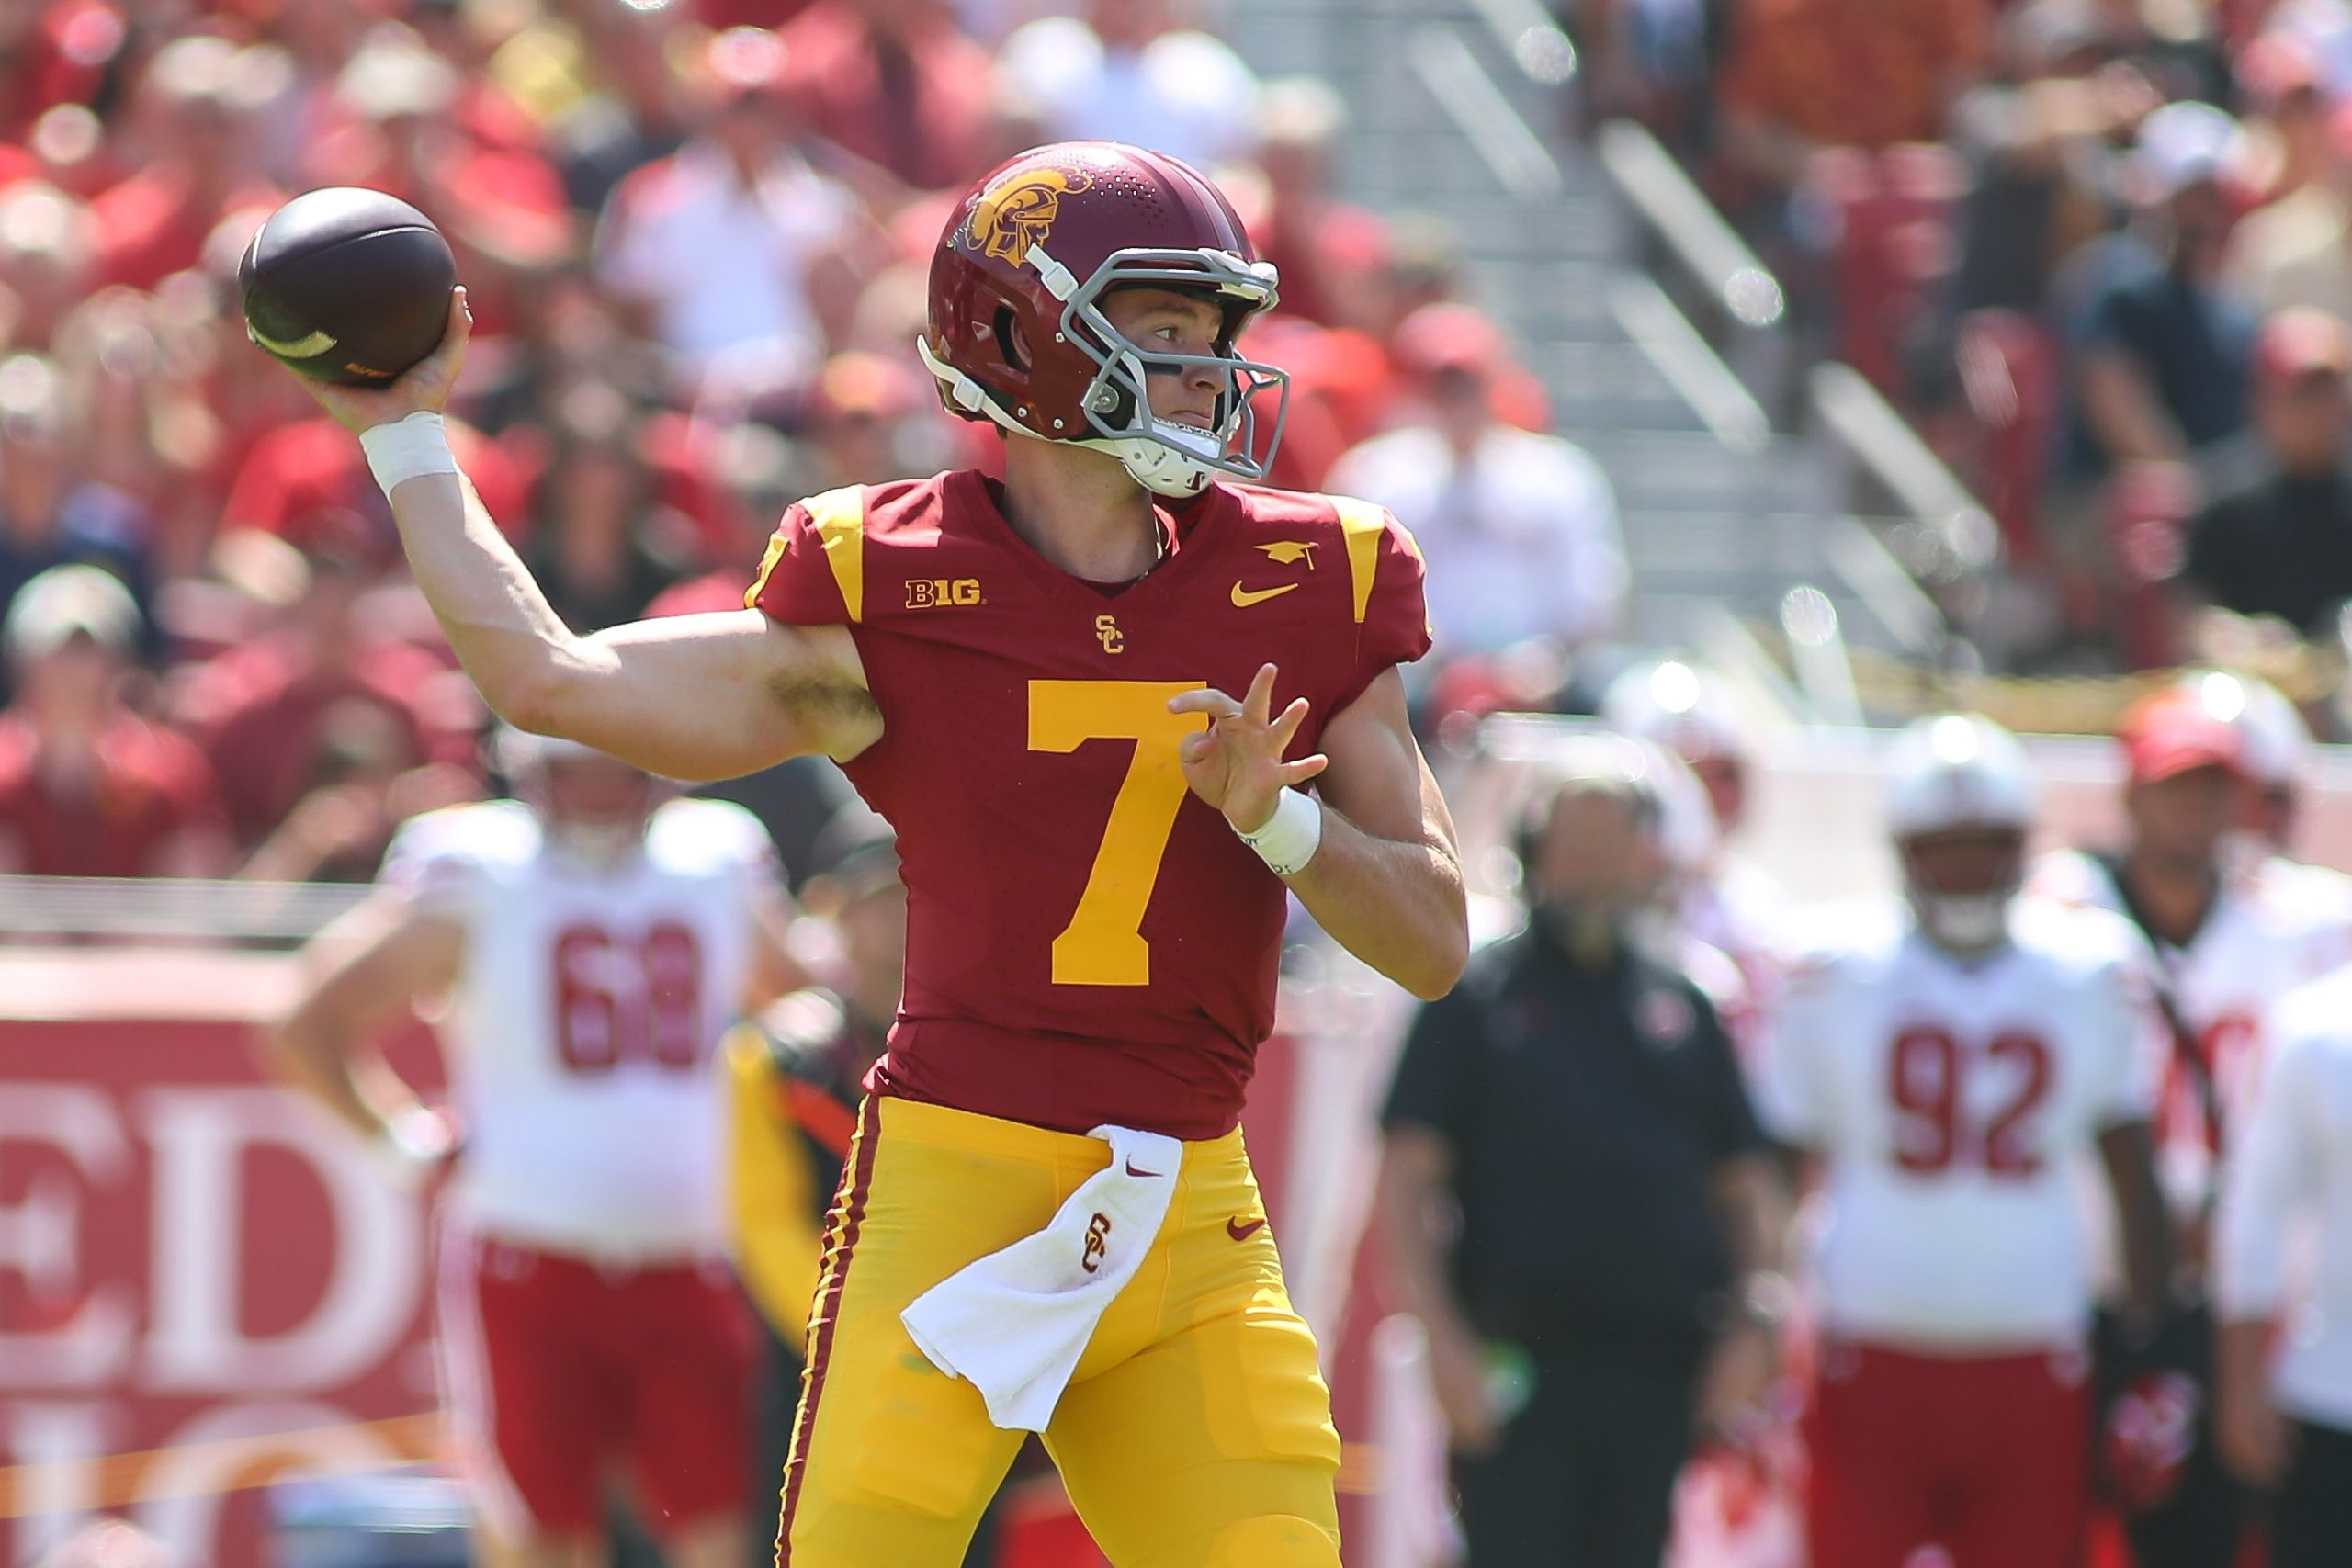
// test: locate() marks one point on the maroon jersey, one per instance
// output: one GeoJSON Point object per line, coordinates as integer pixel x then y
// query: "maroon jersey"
{"type": "Point", "coordinates": [1087, 943]}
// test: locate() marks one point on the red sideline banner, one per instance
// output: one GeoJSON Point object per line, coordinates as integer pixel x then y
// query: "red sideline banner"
{"type": "Point", "coordinates": [203, 1286]}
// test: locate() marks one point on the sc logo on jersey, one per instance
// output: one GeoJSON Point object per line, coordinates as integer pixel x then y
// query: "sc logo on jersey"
{"type": "Point", "coordinates": [930, 593]}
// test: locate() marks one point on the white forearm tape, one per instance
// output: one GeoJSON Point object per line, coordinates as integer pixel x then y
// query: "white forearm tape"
{"type": "Point", "coordinates": [407, 448]}
{"type": "Point", "coordinates": [1289, 839]}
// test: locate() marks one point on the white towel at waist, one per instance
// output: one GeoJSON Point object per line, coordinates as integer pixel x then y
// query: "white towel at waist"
{"type": "Point", "coordinates": [1016, 1321]}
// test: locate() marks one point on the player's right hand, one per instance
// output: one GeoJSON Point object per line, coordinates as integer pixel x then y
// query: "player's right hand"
{"type": "Point", "coordinates": [424, 387]}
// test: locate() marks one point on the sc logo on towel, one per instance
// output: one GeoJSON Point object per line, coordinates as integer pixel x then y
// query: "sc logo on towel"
{"type": "Point", "coordinates": [1098, 1233]}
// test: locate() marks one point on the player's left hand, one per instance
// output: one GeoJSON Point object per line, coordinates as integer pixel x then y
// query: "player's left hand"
{"type": "Point", "coordinates": [1236, 764]}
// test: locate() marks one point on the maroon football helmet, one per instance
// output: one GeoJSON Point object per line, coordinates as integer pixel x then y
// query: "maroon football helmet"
{"type": "Point", "coordinates": [1017, 333]}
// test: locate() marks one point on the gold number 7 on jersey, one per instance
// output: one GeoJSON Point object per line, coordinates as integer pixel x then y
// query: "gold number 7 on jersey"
{"type": "Point", "coordinates": [1103, 944]}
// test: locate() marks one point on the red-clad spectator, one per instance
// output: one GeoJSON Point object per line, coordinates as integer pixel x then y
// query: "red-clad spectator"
{"type": "Point", "coordinates": [1126, 70]}
{"type": "Point", "coordinates": [894, 83]}
{"type": "Point", "coordinates": [311, 468]}
{"type": "Point", "coordinates": [720, 15]}
{"type": "Point", "coordinates": [503, 209]}
{"type": "Point", "coordinates": [603, 543]}
{"type": "Point", "coordinates": [259, 711]}
{"type": "Point", "coordinates": [196, 131]}
{"type": "Point", "coordinates": [874, 417]}
{"type": "Point", "coordinates": [1325, 249]}
{"type": "Point", "coordinates": [55, 54]}
{"type": "Point", "coordinates": [1520, 529]}
{"type": "Point", "coordinates": [736, 246]}
{"type": "Point", "coordinates": [2283, 83]}
{"type": "Point", "coordinates": [1805, 75]}
{"type": "Point", "coordinates": [87, 787]}
{"type": "Point", "coordinates": [484, 110]}
{"type": "Point", "coordinates": [48, 249]}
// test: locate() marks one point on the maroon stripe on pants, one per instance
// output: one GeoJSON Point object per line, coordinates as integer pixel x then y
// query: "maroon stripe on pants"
{"type": "Point", "coordinates": [855, 1182]}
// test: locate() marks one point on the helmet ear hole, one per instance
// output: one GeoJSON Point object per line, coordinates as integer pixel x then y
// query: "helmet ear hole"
{"type": "Point", "coordinates": [1009, 340]}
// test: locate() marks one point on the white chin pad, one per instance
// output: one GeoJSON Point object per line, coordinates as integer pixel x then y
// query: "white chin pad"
{"type": "Point", "coordinates": [1972, 920]}
{"type": "Point", "coordinates": [1200, 444]}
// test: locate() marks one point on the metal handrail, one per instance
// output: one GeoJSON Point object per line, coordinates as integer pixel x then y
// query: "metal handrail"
{"type": "Point", "coordinates": [1650, 180]}
{"type": "Point", "coordinates": [1502, 138]}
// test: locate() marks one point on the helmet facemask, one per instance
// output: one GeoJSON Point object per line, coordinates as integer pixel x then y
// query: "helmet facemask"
{"type": "Point", "coordinates": [1973, 918]}
{"type": "Point", "coordinates": [1166, 458]}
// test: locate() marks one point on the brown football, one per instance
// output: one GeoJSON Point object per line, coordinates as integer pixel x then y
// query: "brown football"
{"type": "Point", "coordinates": [347, 284]}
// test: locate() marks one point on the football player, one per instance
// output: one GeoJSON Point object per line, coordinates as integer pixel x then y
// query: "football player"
{"type": "Point", "coordinates": [2283, 1389]}
{"type": "Point", "coordinates": [1953, 1064]}
{"type": "Point", "coordinates": [2274, 751]}
{"type": "Point", "coordinates": [593, 942]}
{"type": "Point", "coordinates": [1727, 901]}
{"type": "Point", "coordinates": [2228, 945]}
{"type": "Point", "coordinates": [1086, 698]}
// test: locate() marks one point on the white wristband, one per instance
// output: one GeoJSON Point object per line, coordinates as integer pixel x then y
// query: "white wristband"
{"type": "Point", "coordinates": [1289, 839]}
{"type": "Point", "coordinates": [408, 448]}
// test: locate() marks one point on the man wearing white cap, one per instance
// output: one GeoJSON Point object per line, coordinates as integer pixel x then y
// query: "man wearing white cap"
{"type": "Point", "coordinates": [87, 787]}
{"type": "Point", "coordinates": [1726, 901]}
{"type": "Point", "coordinates": [2163, 348]}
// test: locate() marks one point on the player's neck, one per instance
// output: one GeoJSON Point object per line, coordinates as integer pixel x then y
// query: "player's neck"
{"type": "Point", "coordinates": [2174, 896]}
{"type": "Point", "coordinates": [1079, 510]}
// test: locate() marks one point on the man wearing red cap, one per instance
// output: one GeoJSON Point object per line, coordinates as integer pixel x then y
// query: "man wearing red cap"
{"type": "Point", "coordinates": [2282, 544]}
{"type": "Point", "coordinates": [1523, 528]}
{"type": "Point", "coordinates": [2227, 947]}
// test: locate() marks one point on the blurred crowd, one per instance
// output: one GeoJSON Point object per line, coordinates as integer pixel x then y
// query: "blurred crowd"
{"type": "Point", "coordinates": [2098, 250]}
{"type": "Point", "coordinates": [695, 235]}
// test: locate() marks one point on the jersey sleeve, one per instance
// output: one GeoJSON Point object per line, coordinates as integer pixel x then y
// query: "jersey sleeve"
{"type": "Point", "coordinates": [1790, 1096]}
{"type": "Point", "coordinates": [430, 865]}
{"type": "Point", "coordinates": [814, 571]}
{"type": "Point", "coordinates": [1386, 573]}
{"type": "Point", "coordinates": [2139, 1040]}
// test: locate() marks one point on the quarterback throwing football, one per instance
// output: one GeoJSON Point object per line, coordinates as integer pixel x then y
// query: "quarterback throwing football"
{"type": "Point", "coordinates": [1086, 698]}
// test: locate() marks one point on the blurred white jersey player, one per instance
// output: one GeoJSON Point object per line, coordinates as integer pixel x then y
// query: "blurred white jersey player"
{"type": "Point", "coordinates": [2283, 1389]}
{"type": "Point", "coordinates": [1726, 901]}
{"type": "Point", "coordinates": [1956, 1061]}
{"type": "Point", "coordinates": [592, 944]}
{"type": "Point", "coordinates": [2233, 932]}
{"type": "Point", "coordinates": [2275, 756]}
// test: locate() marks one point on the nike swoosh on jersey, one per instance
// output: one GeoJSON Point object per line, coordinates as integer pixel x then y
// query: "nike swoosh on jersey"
{"type": "Point", "coordinates": [300, 348]}
{"type": "Point", "coordinates": [1239, 1232]}
{"type": "Point", "coordinates": [1243, 597]}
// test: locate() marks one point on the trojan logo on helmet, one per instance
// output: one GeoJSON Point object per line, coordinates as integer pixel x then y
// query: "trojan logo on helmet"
{"type": "Point", "coordinates": [1016, 333]}
{"type": "Point", "coordinates": [1018, 211]}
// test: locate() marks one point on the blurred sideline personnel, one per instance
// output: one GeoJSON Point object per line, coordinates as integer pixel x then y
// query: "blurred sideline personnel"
{"type": "Point", "coordinates": [1729, 902]}
{"type": "Point", "coordinates": [1577, 1107]}
{"type": "Point", "coordinates": [1034, 682]}
{"type": "Point", "coordinates": [594, 943]}
{"type": "Point", "coordinates": [2283, 1395]}
{"type": "Point", "coordinates": [1951, 1066]}
{"type": "Point", "coordinates": [793, 1077]}
{"type": "Point", "coordinates": [2229, 944]}
{"type": "Point", "coordinates": [2274, 754]}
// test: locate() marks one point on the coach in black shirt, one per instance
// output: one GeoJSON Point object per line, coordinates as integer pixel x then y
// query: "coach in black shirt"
{"type": "Point", "coordinates": [2282, 544]}
{"type": "Point", "coordinates": [1576, 1106]}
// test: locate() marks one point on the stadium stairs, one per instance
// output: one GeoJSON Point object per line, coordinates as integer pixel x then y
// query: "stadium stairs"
{"type": "Point", "coordinates": [1776, 516]}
